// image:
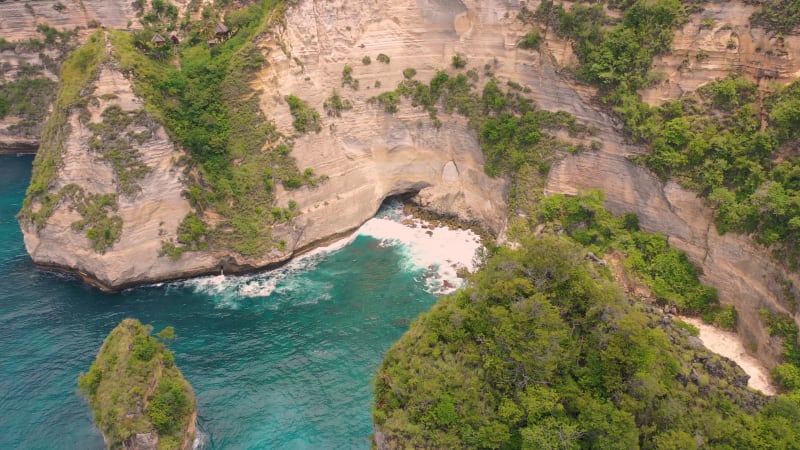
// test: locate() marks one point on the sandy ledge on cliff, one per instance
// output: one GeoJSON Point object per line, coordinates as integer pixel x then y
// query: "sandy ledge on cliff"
{"type": "Point", "coordinates": [729, 345]}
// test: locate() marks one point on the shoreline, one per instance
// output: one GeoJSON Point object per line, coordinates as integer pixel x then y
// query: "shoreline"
{"type": "Point", "coordinates": [411, 212]}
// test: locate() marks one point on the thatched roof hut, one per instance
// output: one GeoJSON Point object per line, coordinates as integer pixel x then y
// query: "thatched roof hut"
{"type": "Point", "coordinates": [221, 30]}
{"type": "Point", "coordinates": [158, 40]}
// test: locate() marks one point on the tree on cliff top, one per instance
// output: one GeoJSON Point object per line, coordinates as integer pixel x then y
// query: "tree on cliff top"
{"type": "Point", "coordinates": [134, 388]}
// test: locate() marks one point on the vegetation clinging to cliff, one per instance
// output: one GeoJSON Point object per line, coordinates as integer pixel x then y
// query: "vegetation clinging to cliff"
{"type": "Point", "coordinates": [134, 387]}
{"type": "Point", "coordinates": [540, 352]}
{"type": "Point", "coordinates": [667, 272]}
{"type": "Point", "coordinates": [730, 143]}
{"type": "Point", "coordinates": [210, 108]}
{"type": "Point", "coordinates": [76, 72]}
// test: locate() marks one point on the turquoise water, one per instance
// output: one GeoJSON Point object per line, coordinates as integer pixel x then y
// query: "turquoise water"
{"type": "Point", "coordinates": [288, 370]}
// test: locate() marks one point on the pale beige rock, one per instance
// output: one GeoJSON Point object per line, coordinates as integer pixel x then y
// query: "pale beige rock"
{"type": "Point", "coordinates": [701, 53]}
{"type": "Point", "coordinates": [149, 216]}
{"type": "Point", "coordinates": [369, 154]}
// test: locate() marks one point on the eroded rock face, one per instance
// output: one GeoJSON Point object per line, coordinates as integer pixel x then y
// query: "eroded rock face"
{"type": "Point", "coordinates": [720, 41]}
{"type": "Point", "coordinates": [18, 24]}
{"type": "Point", "coordinates": [150, 215]}
{"type": "Point", "coordinates": [369, 154]}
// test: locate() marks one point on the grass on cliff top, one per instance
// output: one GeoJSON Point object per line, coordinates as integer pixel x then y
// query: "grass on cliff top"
{"type": "Point", "coordinates": [540, 351]}
{"type": "Point", "coordinates": [76, 73]}
{"type": "Point", "coordinates": [209, 107]}
{"type": "Point", "coordinates": [134, 387]}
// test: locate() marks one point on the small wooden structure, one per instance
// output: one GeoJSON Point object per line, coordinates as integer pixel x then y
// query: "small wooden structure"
{"type": "Point", "coordinates": [174, 38]}
{"type": "Point", "coordinates": [221, 31]}
{"type": "Point", "coordinates": [212, 42]}
{"type": "Point", "coordinates": [157, 40]}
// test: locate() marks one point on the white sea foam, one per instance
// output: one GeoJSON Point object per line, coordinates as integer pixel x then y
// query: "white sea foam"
{"type": "Point", "coordinates": [441, 251]}
{"type": "Point", "coordinates": [228, 290]}
{"type": "Point", "coordinates": [436, 252]}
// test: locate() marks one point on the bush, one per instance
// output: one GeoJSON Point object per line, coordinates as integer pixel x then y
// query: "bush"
{"type": "Point", "coordinates": [458, 61]}
{"type": "Point", "coordinates": [366, 60]}
{"type": "Point", "coordinates": [531, 41]}
{"type": "Point", "coordinates": [383, 58]}
{"type": "Point", "coordinates": [335, 104]}
{"type": "Point", "coordinates": [409, 73]}
{"type": "Point", "coordinates": [305, 117]}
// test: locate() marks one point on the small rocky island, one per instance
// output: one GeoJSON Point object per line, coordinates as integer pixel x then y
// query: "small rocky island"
{"type": "Point", "coordinates": [138, 396]}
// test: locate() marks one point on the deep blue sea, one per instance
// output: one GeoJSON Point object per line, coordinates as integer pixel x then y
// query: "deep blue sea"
{"type": "Point", "coordinates": [282, 360]}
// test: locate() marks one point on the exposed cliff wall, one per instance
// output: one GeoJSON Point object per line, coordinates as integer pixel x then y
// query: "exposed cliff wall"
{"type": "Point", "coordinates": [324, 36]}
{"type": "Point", "coordinates": [28, 53]}
{"type": "Point", "coordinates": [150, 211]}
{"type": "Point", "coordinates": [368, 154]}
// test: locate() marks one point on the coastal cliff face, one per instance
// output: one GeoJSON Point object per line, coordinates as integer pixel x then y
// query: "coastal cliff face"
{"type": "Point", "coordinates": [149, 212]}
{"type": "Point", "coordinates": [368, 154]}
{"type": "Point", "coordinates": [324, 36]}
{"type": "Point", "coordinates": [32, 50]}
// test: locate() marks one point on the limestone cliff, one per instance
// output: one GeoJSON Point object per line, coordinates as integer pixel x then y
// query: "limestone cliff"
{"type": "Point", "coordinates": [323, 36]}
{"type": "Point", "coordinates": [368, 154]}
{"type": "Point", "coordinates": [149, 212]}
{"type": "Point", "coordinates": [32, 50]}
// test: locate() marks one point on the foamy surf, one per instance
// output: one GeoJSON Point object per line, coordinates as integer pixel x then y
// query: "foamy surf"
{"type": "Point", "coordinates": [440, 252]}
{"type": "Point", "coordinates": [437, 253]}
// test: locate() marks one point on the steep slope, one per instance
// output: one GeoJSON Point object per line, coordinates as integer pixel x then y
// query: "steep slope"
{"type": "Point", "coordinates": [541, 352]}
{"type": "Point", "coordinates": [36, 37]}
{"type": "Point", "coordinates": [117, 191]}
{"type": "Point", "coordinates": [321, 37]}
{"type": "Point", "coordinates": [368, 153]}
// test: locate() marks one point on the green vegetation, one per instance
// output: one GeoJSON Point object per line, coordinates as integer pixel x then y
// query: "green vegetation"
{"type": "Point", "coordinates": [100, 227]}
{"type": "Point", "coordinates": [192, 236]}
{"type": "Point", "coordinates": [531, 41]}
{"type": "Point", "coordinates": [511, 130]}
{"type": "Point", "coordinates": [29, 98]}
{"type": "Point", "coordinates": [366, 60]}
{"type": "Point", "coordinates": [539, 351]}
{"type": "Point", "coordinates": [209, 107]}
{"type": "Point", "coordinates": [781, 16]}
{"type": "Point", "coordinates": [383, 58]}
{"type": "Point", "coordinates": [347, 77]}
{"type": "Point", "coordinates": [305, 117]}
{"type": "Point", "coordinates": [30, 94]}
{"type": "Point", "coordinates": [116, 137]}
{"type": "Point", "coordinates": [459, 61]}
{"type": "Point", "coordinates": [729, 142]}
{"type": "Point", "coordinates": [78, 69]}
{"type": "Point", "coordinates": [335, 104]}
{"type": "Point", "coordinates": [667, 272]}
{"type": "Point", "coordinates": [731, 147]}
{"type": "Point", "coordinates": [134, 387]}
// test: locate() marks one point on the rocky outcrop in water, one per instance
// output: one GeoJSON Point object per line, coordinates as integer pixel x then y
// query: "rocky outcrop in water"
{"type": "Point", "coordinates": [138, 396]}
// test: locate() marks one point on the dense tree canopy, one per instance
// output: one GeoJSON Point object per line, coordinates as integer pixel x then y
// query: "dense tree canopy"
{"type": "Point", "coordinates": [540, 351]}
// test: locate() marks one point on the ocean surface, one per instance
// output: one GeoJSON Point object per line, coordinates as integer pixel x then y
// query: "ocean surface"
{"type": "Point", "coordinates": [280, 360]}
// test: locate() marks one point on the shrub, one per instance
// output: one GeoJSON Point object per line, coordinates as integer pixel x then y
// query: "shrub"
{"type": "Point", "coordinates": [366, 60]}
{"type": "Point", "coordinates": [383, 58]}
{"type": "Point", "coordinates": [409, 73]}
{"type": "Point", "coordinates": [531, 40]}
{"type": "Point", "coordinates": [458, 61]}
{"type": "Point", "coordinates": [305, 117]}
